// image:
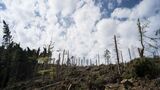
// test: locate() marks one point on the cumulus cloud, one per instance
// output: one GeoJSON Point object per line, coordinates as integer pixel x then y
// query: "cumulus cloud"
{"type": "Point", "coordinates": [121, 13]}
{"type": "Point", "coordinates": [146, 8]}
{"type": "Point", "coordinates": [78, 25]}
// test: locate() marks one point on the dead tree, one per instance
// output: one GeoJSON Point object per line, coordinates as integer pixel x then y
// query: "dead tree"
{"type": "Point", "coordinates": [129, 51]}
{"type": "Point", "coordinates": [68, 59]}
{"type": "Point", "coordinates": [72, 60]}
{"type": "Point", "coordinates": [58, 67]}
{"type": "Point", "coordinates": [96, 62]}
{"type": "Point", "coordinates": [81, 62]}
{"type": "Point", "coordinates": [122, 57]}
{"type": "Point", "coordinates": [90, 62]}
{"type": "Point", "coordinates": [141, 33]}
{"type": "Point", "coordinates": [155, 45]}
{"type": "Point", "coordinates": [63, 56]}
{"type": "Point", "coordinates": [98, 59]}
{"type": "Point", "coordinates": [87, 62]}
{"type": "Point", "coordinates": [84, 61]}
{"type": "Point", "coordinates": [123, 64]}
{"type": "Point", "coordinates": [116, 47]}
{"type": "Point", "coordinates": [76, 61]}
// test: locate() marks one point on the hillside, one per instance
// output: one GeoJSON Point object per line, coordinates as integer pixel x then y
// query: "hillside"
{"type": "Point", "coordinates": [103, 77]}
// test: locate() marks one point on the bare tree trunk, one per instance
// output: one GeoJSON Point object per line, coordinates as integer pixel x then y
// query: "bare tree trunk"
{"type": "Point", "coordinates": [98, 59]}
{"type": "Point", "coordinates": [96, 62]}
{"type": "Point", "coordinates": [78, 61]}
{"type": "Point", "coordinates": [84, 61]}
{"type": "Point", "coordinates": [90, 62]}
{"type": "Point", "coordinates": [58, 67]}
{"type": "Point", "coordinates": [87, 62]}
{"type": "Point", "coordinates": [116, 47]}
{"type": "Point", "coordinates": [63, 57]}
{"type": "Point", "coordinates": [123, 64]}
{"type": "Point", "coordinates": [81, 62]}
{"type": "Point", "coordinates": [122, 56]}
{"type": "Point", "coordinates": [68, 59]}
{"type": "Point", "coordinates": [129, 54]}
{"type": "Point", "coordinates": [141, 51]}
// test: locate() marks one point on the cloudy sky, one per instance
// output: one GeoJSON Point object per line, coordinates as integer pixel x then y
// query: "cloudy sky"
{"type": "Point", "coordinates": [85, 27]}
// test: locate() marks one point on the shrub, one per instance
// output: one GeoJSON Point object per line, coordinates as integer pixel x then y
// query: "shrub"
{"type": "Point", "coordinates": [142, 68]}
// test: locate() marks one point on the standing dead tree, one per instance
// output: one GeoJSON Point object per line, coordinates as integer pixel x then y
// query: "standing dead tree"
{"type": "Point", "coordinates": [129, 51]}
{"type": "Point", "coordinates": [155, 45]}
{"type": "Point", "coordinates": [98, 59]}
{"type": "Point", "coordinates": [122, 57]}
{"type": "Point", "coordinates": [116, 47]}
{"type": "Point", "coordinates": [96, 62]}
{"type": "Point", "coordinates": [141, 34]}
{"type": "Point", "coordinates": [50, 49]}
{"type": "Point", "coordinates": [58, 67]}
{"type": "Point", "coordinates": [63, 56]}
{"type": "Point", "coordinates": [81, 60]}
{"type": "Point", "coordinates": [84, 61]}
{"type": "Point", "coordinates": [68, 59]}
{"type": "Point", "coordinates": [123, 64]}
{"type": "Point", "coordinates": [90, 62]}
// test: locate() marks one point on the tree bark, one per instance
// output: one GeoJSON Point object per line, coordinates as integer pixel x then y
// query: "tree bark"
{"type": "Point", "coordinates": [116, 47]}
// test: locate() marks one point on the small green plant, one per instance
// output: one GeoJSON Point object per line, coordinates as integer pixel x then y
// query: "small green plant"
{"type": "Point", "coordinates": [51, 72]}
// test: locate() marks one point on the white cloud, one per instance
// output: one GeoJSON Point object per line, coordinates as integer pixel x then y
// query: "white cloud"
{"type": "Point", "coordinates": [88, 35]}
{"type": "Point", "coordinates": [106, 29]}
{"type": "Point", "coordinates": [111, 5]}
{"type": "Point", "coordinates": [119, 1]}
{"type": "Point", "coordinates": [146, 8]}
{"type": "Point", "coordinates": [121, 13]}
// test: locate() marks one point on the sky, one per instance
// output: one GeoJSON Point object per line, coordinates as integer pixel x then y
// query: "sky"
{"type": "Point", "coordinates": [84, 27]}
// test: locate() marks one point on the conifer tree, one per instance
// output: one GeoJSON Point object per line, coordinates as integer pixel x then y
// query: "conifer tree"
{"type": "Point", "coordinates": [107, 56]}
{"type": "Point", "coordinates": [7, 37]}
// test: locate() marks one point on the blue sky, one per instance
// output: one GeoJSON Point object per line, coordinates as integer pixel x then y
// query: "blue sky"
{"type": "Point", "coordinates": [85, 27]}
{"type": "Point", "coordinates": [115, 4]}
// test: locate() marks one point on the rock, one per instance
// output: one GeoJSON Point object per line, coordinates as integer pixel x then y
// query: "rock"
{"type": "Point", "coordinates": [126, 80]}
{"type": "Point", "coordinates": [112, 87]}
{"type": "Point", "coordinates": [127, 83]}
{"type": "Point", "coordinates": [157, 81]}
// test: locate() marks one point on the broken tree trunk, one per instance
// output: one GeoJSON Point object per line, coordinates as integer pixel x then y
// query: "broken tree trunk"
{"type": "Point", "coordinates": [63, 56]}
{"type": "Point", "coordinates": [98, 59]}
{"type": "Point", "coordinates": [141, 51]}
{"type": "Point", "coordinates": [68, 59]}
{"type": "Point", "coordinates": [116, 47]}
{"type": "Point", "coordinates": [129, 51]}
{"type": "Point", "coordinates": [58, 67]}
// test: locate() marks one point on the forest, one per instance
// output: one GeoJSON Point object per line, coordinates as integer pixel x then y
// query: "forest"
{"type": "Point", "coordinates": [36, 69]}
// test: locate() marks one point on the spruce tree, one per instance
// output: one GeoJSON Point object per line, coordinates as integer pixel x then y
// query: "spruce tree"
{"type": "Point", "coordinates": [7, 37]}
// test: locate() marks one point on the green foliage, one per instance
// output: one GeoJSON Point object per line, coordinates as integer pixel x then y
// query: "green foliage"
{"type": "Point", "coordinates": [16, 64]}
{"type": "Point", "coordinates": [142, 68]}
{"type": "Point", "coordinates": [100, 80]}
{"type": "Point", "coordinates": [146, 68]}
{"type": "Point", "coordinates": [7, 35]}
{"type": "Point", "coordinates": [107, 56]}
{"type": "Point", "coordinates": [51, 72]}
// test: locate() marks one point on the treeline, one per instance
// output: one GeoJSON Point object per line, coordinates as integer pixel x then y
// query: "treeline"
{"type": "Point", "coordinates": [16, 63]}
